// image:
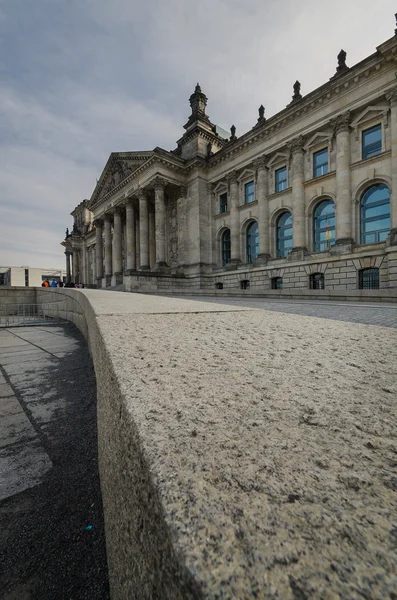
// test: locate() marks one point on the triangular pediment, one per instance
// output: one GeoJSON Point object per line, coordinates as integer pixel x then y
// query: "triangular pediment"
{"type": "Point", "coordinates": [369, 114]}
{"type": "Point", "coordinates": [220, 187]}
{"type": "Point", "coordinates": [318, 138]}
{"type": "Point", "coordinates": [278, 158]}
{"type": "Point", "coordinates": [246, 174]}
{"type": "Point", "coordinates": [119, 166]}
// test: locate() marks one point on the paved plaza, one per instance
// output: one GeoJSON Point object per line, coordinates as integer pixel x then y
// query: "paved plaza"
{"type": "Point", "coordinates": [384, 315]}
{"type": "Point", "coordinates": [51, 526]}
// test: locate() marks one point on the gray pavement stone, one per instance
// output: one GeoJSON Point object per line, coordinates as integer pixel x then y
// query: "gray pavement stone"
{"type": "Point", "coordinates": [5, 390]}
{"type": "Point", "coordinates": [22, 466]}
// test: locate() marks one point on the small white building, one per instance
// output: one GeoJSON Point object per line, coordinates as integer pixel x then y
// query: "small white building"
{"type": "Point", "coordinates": [28, 276]}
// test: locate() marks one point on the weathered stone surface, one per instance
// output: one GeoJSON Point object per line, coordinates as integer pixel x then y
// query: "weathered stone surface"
{"type": "Point", "coordinates": [243, 454]}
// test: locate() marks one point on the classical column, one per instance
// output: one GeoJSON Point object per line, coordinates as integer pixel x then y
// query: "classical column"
{"type": "Point", "coordinates": [159, 186]}
{"type": "Point", "coordinates": [130, 235]}
{"type": "Point", "coordinates": [75, 267]}
{"type": "Point", "coordinates": [298, 196]}
{"type": "Point", "coordinates": [144, 230]}
{"type": "Point", "coordinates": [263, 210]}
{"type": "Point", "coordinates": [392, 98]}
{"type": "Point", "coordinates": [98, 248]}
{"type": "Point", "coordinates": [117, 269]}
{"type": "Point", "coordinates": [234, 220]}
{"type": "Point", "coordinates": [108, 246]}
{"type": "Point", "coordinates": [183, 233]}
{"type": "Point", "coordinates": [68, 278]}
{"type": "Point", "coordinates": [343, 183]}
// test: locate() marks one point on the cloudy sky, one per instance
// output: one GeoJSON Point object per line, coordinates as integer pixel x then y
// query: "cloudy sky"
{"type": "Point", "coordinates": [82, 78]}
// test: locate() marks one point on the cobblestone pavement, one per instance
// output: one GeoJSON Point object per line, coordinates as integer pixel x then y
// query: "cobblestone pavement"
{"type": "Point", "coordinates": [52, 542]}
{"type": "Point", "coordinates": [369, 314]}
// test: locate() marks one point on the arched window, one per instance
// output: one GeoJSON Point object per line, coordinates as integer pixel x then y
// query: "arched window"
{"type": "Point", "coordinates": [368, 279]}
{"type": "Point", "coordinates": [375, 214]}
{"type": "Point", "coordinates": [324, 226]}
{"type": "Point", "coordinates": [284, 234]}
{"type": "Point", "coordinates": [252, 242]}
{"type": "Point", "coordinates": [225, 243]}
{"type": "Point", "coordinates": [317, 281]}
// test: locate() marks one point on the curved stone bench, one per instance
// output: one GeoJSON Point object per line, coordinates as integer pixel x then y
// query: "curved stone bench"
{"type": "Point", "coordinates": [243, 453]}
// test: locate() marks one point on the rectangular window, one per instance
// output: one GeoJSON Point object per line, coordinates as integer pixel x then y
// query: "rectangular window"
{"type": "Point", "coordinates": [249, 192]}
{"type": "Point", "coordinates": [26, 277]}
{"type": "Point", "coordinates": [223, 203]}
{"type": "Point", "coordinates": [372, 141]}
{"type": "Point", "coordinates": [320, 163]}
{"type": "Point", "coordinates": [281, 179]}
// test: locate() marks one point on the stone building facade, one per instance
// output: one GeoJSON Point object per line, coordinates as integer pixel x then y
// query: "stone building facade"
{"type": "Point", "coordinates": [307, 199]}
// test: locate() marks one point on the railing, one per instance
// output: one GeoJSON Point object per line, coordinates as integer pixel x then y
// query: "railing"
{"type": "Point", "coordinates": [12, 315]}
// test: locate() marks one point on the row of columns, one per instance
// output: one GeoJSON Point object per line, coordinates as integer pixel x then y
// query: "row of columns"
{"type": "Point", "coordinates": [110, 254]}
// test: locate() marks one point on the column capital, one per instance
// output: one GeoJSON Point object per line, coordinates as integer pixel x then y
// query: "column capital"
{"type": "Point", "coordinates": [392, 97]}
{"type": "Point", "coordinates": [117, 210]}
{"type": "Point", "coordinates": [129, 202]}
{"type": "Point", "coordinates": [107, 217]}
{"type": "Point", "coordinates": [159, 183]}
{"type": "Point", "coordinates": [231, 177]}
{"type": "Point", "coordinates": [68, 253]}
{"type": "Point", "coordinates": [182, 191]}
{"type": "Point", "coordinates": [260, 163]}
{"type": "Point", "coordinates": [142, 194]}
{"type": "Point", "coordinates": [296, 145]}
{"type": "Point", "coordinates": [341, 122]}
{"type": "Point", "coordinates": [98, 222]}
{"type": "Point", "coordinates": [210, 188]}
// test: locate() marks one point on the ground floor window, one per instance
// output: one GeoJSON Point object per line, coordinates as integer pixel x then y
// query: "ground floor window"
{"type": "Point", "coordinates": [245, 284]}
{"type": "Point", "coordinates": [317, 281]}
{"type": "Point", "coordinates": [368, 279]}
{"type": "Point", "coordinates": [277, 283]}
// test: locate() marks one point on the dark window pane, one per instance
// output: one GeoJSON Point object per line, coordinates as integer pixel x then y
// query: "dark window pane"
{"type": "Point", "coordinates": [375, 214]}
{"type": "Point", "coordinates": [249, 192]}
{"type": "Point", "coordinates": [226, 247]}
{"type": "Point", "coordinates": [284, 234]}
{"type": "Point", "coordinates": [320, 163]}
{"type": "Point", "coordinates": [252, 242]}
{"type": "Point", "coordinates": [277, 283]}
{"type": "Point", "coordinates": [372, 141]}
{"type": "Point", "coordinates": [281, 179]}
{"type": "Point", "coordinates": [324, 226]}
{"type": "Point", "coordinates": [368, 279]}
{"type": "Point", "coordinates": [223, 203]}
{"type": "Point", "coordinates": [317, 281]}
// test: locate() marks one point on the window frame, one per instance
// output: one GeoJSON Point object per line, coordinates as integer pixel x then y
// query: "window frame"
{"type": "Point", "coordinates": [314, 278]}
{"type": "Point", "coordinates": [316, 153]}
{"type": "Point", "coordinates": [250, 258]}
{"type": "Point", "coordinates": [278, 255]}
{"type": "Point", "coordinates": [226, 249]}
{"type": "Point", "coordinates": [365, 220]}
{"type": "Point", "coordinates": [275, 281]}
{"type": "Point", "coordinates": [378, 126]}
{"type": "Point", "coordinates": [276, 190]}
{"type": "Point", "coordinates": [221, 204]}
{"type": "Point", "coordinates": [362, 272]}
{"type": "Point", "coordinates": [317, 220]}
{"type": "Point", "coordinates": [249, 183]}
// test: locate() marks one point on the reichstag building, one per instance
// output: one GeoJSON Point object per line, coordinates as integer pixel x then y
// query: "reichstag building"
{"type": "Point", "coordinates": [305, 199]}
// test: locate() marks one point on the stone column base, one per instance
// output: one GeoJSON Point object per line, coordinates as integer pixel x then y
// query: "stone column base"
{"type": "Point", "coordinates": [232, 265]}
{"type": "Point", "coordinates": [144, 268]}
{"type": "Point", "coordinates": [108, 279]}
{"type": "Point", "coordinates": [298, 253]}
{"type": "Point", "coordinates": [131, 272]}
{"type": "Point", "coordinates": [342, 246]}
{"type": "Point", "coordinates": [261, 259]}
{"type": "Point", "coordinates": [161, 267]}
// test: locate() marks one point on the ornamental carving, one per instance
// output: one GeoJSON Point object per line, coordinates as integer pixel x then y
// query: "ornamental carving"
{"type": "Point", "coordinates": [119, 171]}
{"type": "Point", "coordinates": [159, 183]}
{"type": "Point", "coordinates": [296, 145]}
{"type": "Point", "coordinates": [341, 122]}
{"type": "Point", "coordinates": [231, 177]}
{"type": "Point", "coordinates": [392, 97]}
{"type": "Point", "coordinates": [260, 163]}
{"type": "Point", "coordinates": [182, 191]}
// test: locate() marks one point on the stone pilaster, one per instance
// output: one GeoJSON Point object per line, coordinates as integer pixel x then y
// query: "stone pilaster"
{"type": "Point", "coordinates": [183, 233]}
{"type": "Point", "coordinates": [344, 238]}
{"type": "Point", "coordinates": [98, 248]}
{"type": "Point", "coordinates": [75, 266]}
{"type": "Point", "coordinates": [234, 220]}
{"type": "Point", "coordinates": [144, 230]}
{"type": "Point", "coordinates": [263, 211]}
{"type": "Point", "coordinates": [159, 187]}
{"type": "Point", "coordinates": [68, 277]}
{"type": "Point", "coordinates": [108, 245]}
{"type": "Point", "coordinates": [392, 98]}
{"type": "Point", "coordinates": [130, 236]}
{"type": "Point", "coordinates": [298, 199]}
{"type": "Point", "coordinates": [117, 268]}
